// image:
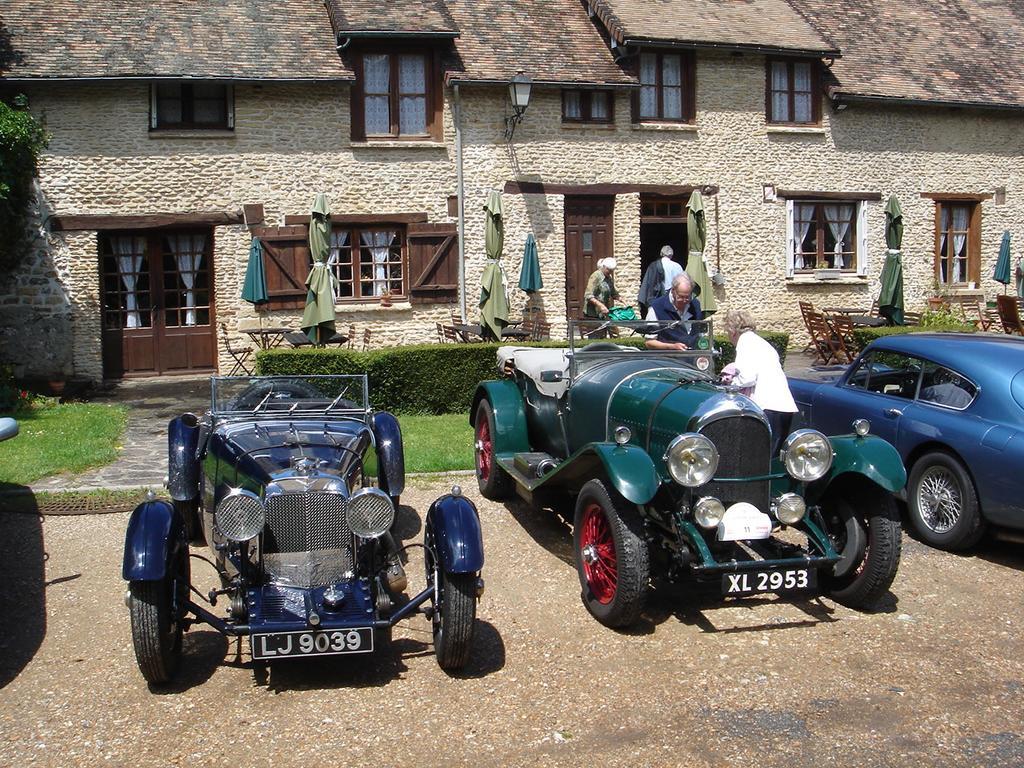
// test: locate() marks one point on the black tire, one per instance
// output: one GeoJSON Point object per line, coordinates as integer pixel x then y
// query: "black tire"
{"type": "Point", "coordinates": [612, 557]}
{"type": "Point", "coordinates": [865, 528]}
{"type": "Point", "coordinates": [157, 609]}
{"type": "Point", "coordinates": [493, 481]}
{"type": "Point", "coordinates": [454, 609]}
{"type": "Point", "coordinates": [942, 504]}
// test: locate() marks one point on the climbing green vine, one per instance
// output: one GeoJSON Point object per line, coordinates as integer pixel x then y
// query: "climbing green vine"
{"type": "Point", "coordinates": [22, 139]}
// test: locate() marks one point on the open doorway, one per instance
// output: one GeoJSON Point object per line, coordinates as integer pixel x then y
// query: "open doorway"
{"type": "Point", "coordinates": [662, 222]}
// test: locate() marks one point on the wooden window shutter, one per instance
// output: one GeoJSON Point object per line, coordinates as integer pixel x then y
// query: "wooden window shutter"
{"type": "Point", "coordinates": [286, 261]}
{"type": "Point", "coordinates": [433, 263]}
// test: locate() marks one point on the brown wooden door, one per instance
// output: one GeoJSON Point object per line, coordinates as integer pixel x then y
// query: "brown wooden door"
{"type": "Point", "coordinates": [158, 313]}
{"type": "Point", "coordinates": [588, 238]}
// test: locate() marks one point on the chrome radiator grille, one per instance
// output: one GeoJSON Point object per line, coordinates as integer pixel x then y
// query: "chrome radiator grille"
{"type": "Point", "coordinates": [743, 444]}
{"type": "Point", "coordinates": [307, 541]}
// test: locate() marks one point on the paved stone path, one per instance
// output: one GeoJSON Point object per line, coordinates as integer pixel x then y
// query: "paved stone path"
{"type": "Point", "coordinates": [153, 402]}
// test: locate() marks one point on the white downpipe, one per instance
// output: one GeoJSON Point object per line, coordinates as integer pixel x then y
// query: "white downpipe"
{"type": "Point", "coordinates": [460, 193]}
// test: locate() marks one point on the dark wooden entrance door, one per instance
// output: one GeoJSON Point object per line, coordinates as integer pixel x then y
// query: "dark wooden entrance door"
{"type": "Point", "coordinates": [158, 313]}
{"type": "Point", "coordinates": [588, 238]}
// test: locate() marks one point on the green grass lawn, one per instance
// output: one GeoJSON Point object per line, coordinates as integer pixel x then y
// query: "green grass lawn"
{"type": "Point", "coordinates": [61, 438]}
{"type": "Point", "coordinates": [437, 443]}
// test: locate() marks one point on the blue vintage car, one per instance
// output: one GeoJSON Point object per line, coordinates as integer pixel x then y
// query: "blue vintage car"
{"type": "Point", "coordinates": [294, 483]}
{"type": "Point", "coordinates": [668, 475]}
{"type": "Point", "coordinates": [953, 406]}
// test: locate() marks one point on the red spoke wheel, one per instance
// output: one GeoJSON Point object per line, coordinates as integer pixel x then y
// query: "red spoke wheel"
{"type": "Point", "coordinates": [493, 481]}
{"type": "Point", "coordinates": [612, 557]}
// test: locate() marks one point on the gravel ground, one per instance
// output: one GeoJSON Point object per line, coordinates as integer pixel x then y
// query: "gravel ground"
{"type": "Point", "coordinates": [936, 678]}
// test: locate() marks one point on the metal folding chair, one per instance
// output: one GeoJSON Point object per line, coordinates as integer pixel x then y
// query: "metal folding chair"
{"type": "Point", "coordinates": [240, 355]}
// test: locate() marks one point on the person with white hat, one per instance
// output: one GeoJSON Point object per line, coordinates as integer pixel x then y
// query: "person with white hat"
{"type": "Point", "coordinates": [600, 294]}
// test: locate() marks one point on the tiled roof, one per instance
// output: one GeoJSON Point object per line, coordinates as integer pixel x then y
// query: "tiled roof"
{"type": "Point", "coordinates": [955, 51]}
{"type": "Point", "coordinates": [417, 17]}
{"type": "Point", "coordinates": [552, 41]}
{"type": "Point", "coordinates": [762, 24]}
{"type": "Point", "coordinates": [240, 39]}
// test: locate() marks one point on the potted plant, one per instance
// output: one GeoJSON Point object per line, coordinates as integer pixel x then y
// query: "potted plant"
{"type": "Point", "coordinates": [939, 298]}
{"type": "Point", "coordinates": [385, 298]}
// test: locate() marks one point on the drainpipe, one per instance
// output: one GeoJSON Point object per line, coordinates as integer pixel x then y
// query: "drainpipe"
{"type": "Point", "coordinates": [461, 194]}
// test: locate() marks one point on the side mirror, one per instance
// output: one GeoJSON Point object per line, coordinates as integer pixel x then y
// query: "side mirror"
{"type": "Point", "coordinates": [8, 428]}
{"type": "Point", "coordinates": [550, 377]}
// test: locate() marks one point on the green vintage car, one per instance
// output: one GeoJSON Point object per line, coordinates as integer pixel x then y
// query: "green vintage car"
{"type": "Point", "coordinates": [669, 476]}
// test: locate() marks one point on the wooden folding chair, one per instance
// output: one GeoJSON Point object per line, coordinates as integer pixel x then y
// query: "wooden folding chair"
{"type": "Point", "coordinates": [440, 333]}
{"type": "Point", "coordinates": [845, 342]}
{"type": "Point", "coordinates": [450, 334]}
{"type": "Point", "coordinates": [806, 309]}
{"type": "Point", "coordinates": [824, 343]}
{"type": "Point", "coordinates": [240, 355]}
{"type": "Point", "coordinates": [1009, 315]}
{"type": "Point", "coordinates": [366, 339]}
{"type": "Point", "coordinates": [911, 318]}
{"type": "Point", "coordinates": [351, 337]}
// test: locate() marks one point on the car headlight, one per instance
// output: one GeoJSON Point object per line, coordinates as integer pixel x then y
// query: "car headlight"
{"type": "Point", "coordinates": [370, 513]}
{"type": "Point", "coordinates": [708, 512]}
{"type": "Point", "coordinates": [807, 455]}
{"type": "Point", "coordinates": [692, 459]}
{"type": "Point", "coordinates": [790, 509]}
{"type": "Point", "coordinates": [240, 516]}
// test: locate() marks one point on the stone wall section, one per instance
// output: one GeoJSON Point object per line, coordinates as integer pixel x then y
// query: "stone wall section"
{"type": "Point", "coordinates": [292, 141]}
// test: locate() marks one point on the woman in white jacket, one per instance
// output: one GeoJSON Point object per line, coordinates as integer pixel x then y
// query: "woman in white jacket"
{"type": "Point", "coordinates": [757, 369]}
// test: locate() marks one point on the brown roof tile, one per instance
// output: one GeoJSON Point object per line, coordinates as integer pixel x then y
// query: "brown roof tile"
{"type": "Point", "coordinates": [552, 41]}
{"type": "Point", "coordinates": [239, 39]}
{"type": "Point", "coordinates": [420, 17]}
{"type": "Point", "coordinates": [767, 24]}
{"type": "Point", "coordinates": [953, 51]}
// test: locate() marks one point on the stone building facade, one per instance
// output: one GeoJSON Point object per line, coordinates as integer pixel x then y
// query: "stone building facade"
{"type": "Point", "coordinates": [292, 140]}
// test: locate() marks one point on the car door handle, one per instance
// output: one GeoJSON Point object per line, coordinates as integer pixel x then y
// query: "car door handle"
{"type": "Point", "coordinates": [893, 412]}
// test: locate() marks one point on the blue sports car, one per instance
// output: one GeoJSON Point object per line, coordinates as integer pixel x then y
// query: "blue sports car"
{"type": "Point", "coordinates": [953, 406]}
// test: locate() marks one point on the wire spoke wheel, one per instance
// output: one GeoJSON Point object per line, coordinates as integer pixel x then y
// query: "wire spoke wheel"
{"type": "Point", "coordinates": [939, 499]}
{"type": "Point", "coordinates": [484, 450]}
{"type": "Point", "coordinates": [494, 482]}
{"type": "Point", "coordinates": [598, 555]}
{"type": "Point", "coordinates": [942, 502]}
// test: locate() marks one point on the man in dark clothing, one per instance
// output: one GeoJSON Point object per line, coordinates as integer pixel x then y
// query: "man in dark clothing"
{"type": "Point", "coordinates": [677, 304]}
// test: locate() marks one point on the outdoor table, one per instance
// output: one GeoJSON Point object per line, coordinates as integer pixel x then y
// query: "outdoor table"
{"type": "Point", "coordinates": [468, 330]}
{"type": "Point", "coordinates": [299, 339]}
{"type": "Point", "coordinates": [867, 321]}
{"type": "Point", "coordinates": [266, 338]}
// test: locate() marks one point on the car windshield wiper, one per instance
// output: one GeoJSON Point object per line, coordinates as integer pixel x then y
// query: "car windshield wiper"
{"type": "Point", "coordinates": [334, 402]}
{"type": "Point", "coordinates": [262, 402]}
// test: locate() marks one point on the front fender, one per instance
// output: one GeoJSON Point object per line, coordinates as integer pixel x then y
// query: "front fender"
{"type": "Point", "coordinates": [390, 453]}
{"type": "Point", "coordinates": [457, 533]}
{"type": "Point", "coordinates": [182, 463]}
{"type": "Point", "coordinates": [152, 532]}
{"type": "Point", "coordinates": [509, 417]}
{"type": "Point", "coordinates": [628, 467]}
{"type": "Point", "coordinates": [870, 456]}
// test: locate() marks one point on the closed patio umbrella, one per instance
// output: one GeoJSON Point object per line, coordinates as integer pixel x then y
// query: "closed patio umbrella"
{"type": "Point", "coordinates": [890, 298]}
{"type": "Point", "coordinates": [529, 276]}
{"type": "Point", "coordinates": [696, 264]}
{"type": "Point", "coordinates": [493, 300]}
{"type": "Point", "coordinates": [1001, 274]}
{"type": "Point", "coordinates": [254, 287]}
{"type": "Point", "coordinates": [318, 316]}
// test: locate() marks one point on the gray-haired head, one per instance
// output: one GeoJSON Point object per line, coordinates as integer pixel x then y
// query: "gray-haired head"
{"type": "Point", "coordinates": [667, 252]}
{"type": "Point", "coordinates": [682, 280]}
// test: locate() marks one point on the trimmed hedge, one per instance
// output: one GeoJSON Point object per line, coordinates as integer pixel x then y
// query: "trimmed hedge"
{"type": "Point", "coordinates": [865, 336]}
{"type": "Point", "coordinates": [426, 378]}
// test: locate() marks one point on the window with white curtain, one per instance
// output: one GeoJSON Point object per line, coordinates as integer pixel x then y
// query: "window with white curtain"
{"type": "Point", "coordinates": [793, 92]}
{"type": "Point", "coordinates": [367, 261]}
{"type": "Point", "coordinates": [396, 95]}
{"type": "Point", "coordinates": [191, 105]}
{"type": "Point", "coordinates": [957, 261]}
{"type": "Point", "coordinates": [666, 87]}
{"type": "Point", "coordinates": [586, 106]}
{"type": "Point", "coordinates": [826, 234]}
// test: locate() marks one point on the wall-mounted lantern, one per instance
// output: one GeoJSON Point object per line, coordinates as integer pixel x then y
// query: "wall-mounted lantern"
{"type": "Point", "coordinates": [519, 94]}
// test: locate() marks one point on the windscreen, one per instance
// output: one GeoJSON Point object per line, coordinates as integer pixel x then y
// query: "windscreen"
{"type": "Point", "coordinates": [277, 396]}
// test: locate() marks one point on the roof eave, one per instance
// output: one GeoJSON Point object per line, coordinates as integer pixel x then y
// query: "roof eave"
{"type": "Point", "coordinates": [463, 80]}
{"type": "Point", "coordinates": [818, 53]}
{"type": "Point", "coordinates": [354, 34]}
{"type": "Point", "coordinates": [842, 97]}
{"type": "Point", "coordinates": [147, 78]}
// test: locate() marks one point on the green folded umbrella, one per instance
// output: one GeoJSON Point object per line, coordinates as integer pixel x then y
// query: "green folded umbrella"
{"type": "Point", "coordinates": [493, 301]}
{"type": "Point", "coordinates": [890, 298]}
{"type": "Point", "coordinates": [254, 288]}
{"type": "Point", "coordinates": [696, 236]}
{"type": "Point", "coordinates": [1001, 274]}
{"type": "Point", "coordinates": [529, 276]}
{"type": "Point", "coordinates": [318, 316]}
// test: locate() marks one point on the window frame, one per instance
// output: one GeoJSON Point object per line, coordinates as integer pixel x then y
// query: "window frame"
{"type": "Point", "coordinates": [586, 106]}
{"type": "Point", "coordinates": [688, 87]}
{"type": "Point", "coordinates": [972, 242]}
{"type": "Point", "coordinates": [188, 107]}
{"type": "Point", "coordinates": [816, 91]}
{"type": "Point", "coordinates": [432, 95]}
{"type": "Point", "coordinates": [355, 251]}
{"type": "Point", "coordinates": [858, 237]}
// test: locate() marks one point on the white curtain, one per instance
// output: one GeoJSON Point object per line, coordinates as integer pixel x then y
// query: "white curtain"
{"type": "Point", "coordinates": [376, 87]}
{"type": "Point", "coordinates": [802, 93]}
{"type": "Point", "coordinates": [129, 252]}
{"type": "Point", "coordinates": [672, 91]}
{"type": "Point", "coordinates": [573, 105]}
{"type": "Point", "coordinates": [648, 89]}
{"type": "Point", "coordinates": [599, 105]}
{"type": "Point", "coordinates": [412, 89]}
{"type": "Point", "coordinates": [187, 250]}
{"type": "Point", "coordinates": [804, 215]}
{"type": "Point", "coordinates": [943, 257]}
{"type": "Point", "coordinates": [780, 91]}
{"type": "Point", "coordinates": [379, 244]}
{"type": "Point", "coordinates": [838, 218]}
{"type": "Point", "coordinates": [960, 216]}
{"type": "Point", "coordinates": [339, 239]}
